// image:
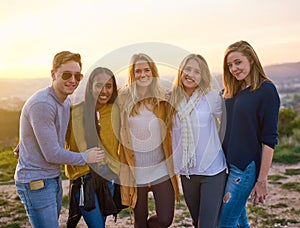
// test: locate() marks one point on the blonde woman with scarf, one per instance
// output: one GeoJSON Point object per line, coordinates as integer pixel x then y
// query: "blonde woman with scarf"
{"type": "Point", "coordinates": [197, 151]}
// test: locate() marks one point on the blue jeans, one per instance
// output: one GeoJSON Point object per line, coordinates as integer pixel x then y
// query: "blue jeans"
{"type": "Point", "coordinates": [238, 188]}
{"type": "Point", "coordinates": [94, 218]}
{"type": "Point", "coordinates": [42, 205]}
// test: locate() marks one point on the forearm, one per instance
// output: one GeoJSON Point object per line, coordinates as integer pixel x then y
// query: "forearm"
{"type": "Point", "coordinates": [267, 155]}
{"type": "Point", "coordinates": [260, 190]}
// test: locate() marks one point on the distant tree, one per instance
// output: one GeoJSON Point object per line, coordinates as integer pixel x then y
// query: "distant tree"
{"type": "Point", "coordinates": [9, 122]}
{"type": "Point", "coordinates": [297, 97]}
{"type": "Point", "coordinates": [296, 123]}
{"type": "Point", "coordinates": [287, 122]}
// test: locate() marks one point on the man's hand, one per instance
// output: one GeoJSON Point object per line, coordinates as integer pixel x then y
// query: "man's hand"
{"type": "Point", "coordinates": [95, 154]}
{"type": "Point", "coordinates": [16, 151]}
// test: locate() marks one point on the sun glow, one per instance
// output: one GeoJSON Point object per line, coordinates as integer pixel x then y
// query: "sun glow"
{"type": "Point", "coordinates": [1, 63]}
{"type": "Point", "coordinates": [33, 32]}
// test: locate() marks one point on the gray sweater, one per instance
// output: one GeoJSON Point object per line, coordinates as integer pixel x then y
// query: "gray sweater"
{"type": "Point", "coordinates": [43, 125]}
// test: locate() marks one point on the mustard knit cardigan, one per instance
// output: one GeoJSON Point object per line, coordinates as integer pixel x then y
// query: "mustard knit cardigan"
{"type": "Point", "coordinates": [127, 169]}
{"type": "Point", "coordinates": [75, 140]}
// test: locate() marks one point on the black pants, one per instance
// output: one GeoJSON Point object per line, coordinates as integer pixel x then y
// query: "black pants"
{"type": "Point", "coordinates": [164, 197]}
{"type": "Point", "coordinates": [203, 196]}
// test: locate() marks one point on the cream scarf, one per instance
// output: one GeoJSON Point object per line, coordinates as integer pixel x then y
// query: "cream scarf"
{"type": "Point", "coordinates": [187, 137]}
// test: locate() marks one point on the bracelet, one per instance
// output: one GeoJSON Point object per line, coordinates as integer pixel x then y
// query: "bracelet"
{"type": "Point", "coordinates": [261, 181]}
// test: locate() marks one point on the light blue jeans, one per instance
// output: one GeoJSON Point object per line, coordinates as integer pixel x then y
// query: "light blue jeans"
{"type": "Point", "coordinates": [42, 205]}
{"type": "Point", "coordinates": [238, 188]}
{"type": "Point", "coordinates": [94, 218]}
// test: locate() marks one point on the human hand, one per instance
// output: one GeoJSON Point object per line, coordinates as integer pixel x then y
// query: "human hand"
{"type": "Point", "coordinates": [95, 154]}
{"type": "Point", "coordinates": [16, 151]}
{"type": "Point", "coordinates": [259, 192]}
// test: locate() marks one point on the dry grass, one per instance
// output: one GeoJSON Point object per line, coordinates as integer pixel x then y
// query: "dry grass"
{"type": "Point", "coordinates": [281, 210]}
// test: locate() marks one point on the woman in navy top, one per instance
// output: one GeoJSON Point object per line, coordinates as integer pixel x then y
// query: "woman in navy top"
{"type": "Point", "coordinates": [252, 107]}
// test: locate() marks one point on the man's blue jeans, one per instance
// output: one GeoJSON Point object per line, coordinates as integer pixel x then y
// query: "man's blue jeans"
{"type": "Point", "coordinates": [238, 188]}
{"type": "Point", "coordinates": [42, 205]}
{"type": "Point", "coordinates": [94, 218]}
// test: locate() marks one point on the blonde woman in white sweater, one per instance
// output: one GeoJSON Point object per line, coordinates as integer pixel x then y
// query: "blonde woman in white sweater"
{"type": "Point", "coordinates": [145, 151]}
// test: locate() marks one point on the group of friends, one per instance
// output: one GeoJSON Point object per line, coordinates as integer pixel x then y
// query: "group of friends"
{"type": "Point", "coordinates": [138, 139]}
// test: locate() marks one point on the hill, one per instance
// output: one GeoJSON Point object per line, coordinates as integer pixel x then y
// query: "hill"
{"type": "Point", "coordinates": [21, 88]}
{"type": "Point", "coordinates": [13, 92]}
{"type": "Point", "coordinates": [280, 72]}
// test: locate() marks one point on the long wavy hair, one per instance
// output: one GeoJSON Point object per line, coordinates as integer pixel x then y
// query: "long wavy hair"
{"type": "Point", "coordinates": [133, 102]}
{"type": "Point", "coordinates": [257, 75]}
{"type": "Point", "coordinates": [178, 92]}
{"type": "Point", "coordinates": [90, 121]}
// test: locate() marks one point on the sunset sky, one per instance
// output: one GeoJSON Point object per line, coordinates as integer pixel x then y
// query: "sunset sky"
{"type": "Point", "coordinates": [33, 31]}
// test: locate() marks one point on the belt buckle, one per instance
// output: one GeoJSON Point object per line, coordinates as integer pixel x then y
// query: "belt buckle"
{"type": "Point", "coordinates": [37, 184]}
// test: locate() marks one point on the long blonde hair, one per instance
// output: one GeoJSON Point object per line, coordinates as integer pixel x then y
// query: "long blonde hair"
{"type": "Point", "coordinates": [178, 92]}
{"type": "Point", "coordinates": [133, 102]}
{"type": "Point", "coordinates": [257, 75]}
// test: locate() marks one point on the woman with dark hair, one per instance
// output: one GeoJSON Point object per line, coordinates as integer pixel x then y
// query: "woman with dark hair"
{"type": "Point", "coordinates": [91, 123]}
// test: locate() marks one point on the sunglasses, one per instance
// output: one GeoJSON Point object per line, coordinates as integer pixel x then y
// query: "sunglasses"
{"type": "Point", "coordinates": [68, 75]}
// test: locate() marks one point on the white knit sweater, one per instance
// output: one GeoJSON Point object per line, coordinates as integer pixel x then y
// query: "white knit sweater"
{"type": "Point", "coordinates": [146, 135]}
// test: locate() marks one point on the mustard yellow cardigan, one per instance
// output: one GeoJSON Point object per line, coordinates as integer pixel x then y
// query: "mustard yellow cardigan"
{"type": "Point", "coordinates": [127, 168]}
{"type": "Point", "coordinates": [75, 140]}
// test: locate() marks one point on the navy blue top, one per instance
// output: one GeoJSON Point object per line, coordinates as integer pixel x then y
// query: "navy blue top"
{"type": "Point", "coordinates": [252, 119]}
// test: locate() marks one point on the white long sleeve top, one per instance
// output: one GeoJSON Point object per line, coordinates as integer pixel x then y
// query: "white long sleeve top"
{"type": "Point", "coordinates": [210, 158]}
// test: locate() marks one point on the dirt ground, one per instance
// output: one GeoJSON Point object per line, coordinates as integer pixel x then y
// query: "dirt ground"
{"type": "Point", "coordinates": [277, 196]}
{"type": "Point", "coordinates": [288, 199]}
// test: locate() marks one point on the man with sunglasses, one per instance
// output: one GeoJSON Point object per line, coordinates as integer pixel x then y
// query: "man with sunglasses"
{"type": "Point", "coordinates": [43, 125]}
